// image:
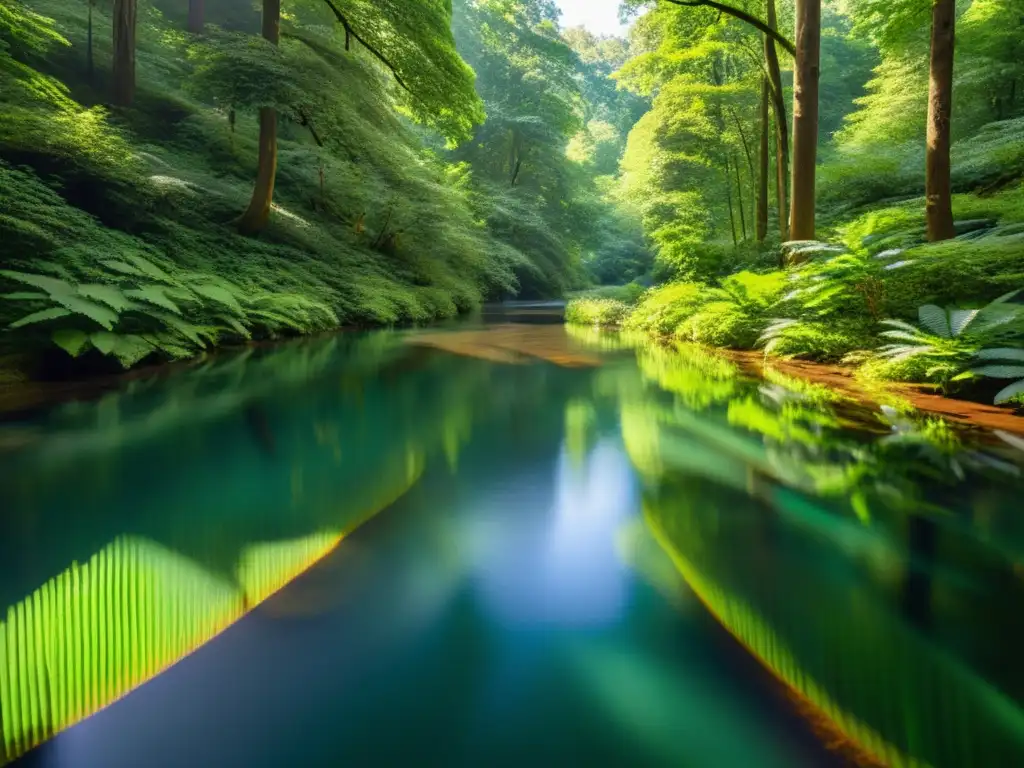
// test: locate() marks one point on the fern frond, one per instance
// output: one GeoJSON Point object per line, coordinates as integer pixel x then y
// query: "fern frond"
{"type": "Point", "coordinates": [53, 313]}
{"type": "Point", "coordinates": [935, 320]}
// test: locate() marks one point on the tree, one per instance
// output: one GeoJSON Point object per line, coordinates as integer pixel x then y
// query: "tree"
{"type": "Point", "coordinates": [771, 58]}
{"type": "Point", "coordinates": [805, 118]}
{"type": "Point", "coordinates": [256, 216]}
{"type": "Point", "coordinates": [762, 167]}
{"type": "Point", "coordinates": [125, 19]}
{"type": "Point", "coordinates": [938, 187]}
{"type": "Point", "coordinates": [413, 40]}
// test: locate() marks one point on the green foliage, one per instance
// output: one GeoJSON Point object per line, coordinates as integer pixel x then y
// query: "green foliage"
{"type": "Point", "coordinates": [663, 309]}
{"type": "Point", "coordinates": [627, 294]}
{"type": "Point", "coordinates": [941, 348]}
{"type": "Point", "coordinates": [602, 312]}
{"type": "Point", "coordinates": [1007, 365]}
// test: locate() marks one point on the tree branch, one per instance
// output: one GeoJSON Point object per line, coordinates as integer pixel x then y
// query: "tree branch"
{"type": "Point", "coordinates": [305, 123]}
{"type": "Point", "coordinates": [349, 32]}
{"type": "Point", "coordinates": [736, 13]}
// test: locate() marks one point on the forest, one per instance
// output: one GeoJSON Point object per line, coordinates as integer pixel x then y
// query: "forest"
{"type": "Point", "coordinates": [839, 181]}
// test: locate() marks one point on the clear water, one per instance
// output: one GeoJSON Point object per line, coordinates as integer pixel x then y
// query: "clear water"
{"type": "Point", "coordinates": [574, 550]}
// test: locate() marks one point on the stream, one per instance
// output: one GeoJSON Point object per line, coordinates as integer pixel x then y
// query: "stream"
{"type": "Point", "coordinates": [504, 544]}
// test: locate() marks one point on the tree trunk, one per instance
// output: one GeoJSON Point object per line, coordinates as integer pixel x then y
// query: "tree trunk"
{"type": "Point", "coordinates": [739, 198]}
{"type": "Point", "coordinates": [90, 66]}
{"type": "Point", "coordinates": [938, 205]}
{"type": "Point", "coordinates": [728, 198]}
{"type": "Point", "coordinates": [805, 118]}
{"type": "Point", "coordinates": [124, 52]}
{"type": "Point", "coordinates": [781, 126]}
{"type": "Point", "coordinates": [256, 217]}
{"type": "Point", "coordinates": [196, 16]}
{"type": "Point", "coordinates": [762, 169]}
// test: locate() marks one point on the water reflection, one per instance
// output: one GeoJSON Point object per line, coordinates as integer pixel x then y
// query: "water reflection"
{"type": "Point", "coordinates": [867, 559]}
{"type": "Point", "coordinates": [574, 499]}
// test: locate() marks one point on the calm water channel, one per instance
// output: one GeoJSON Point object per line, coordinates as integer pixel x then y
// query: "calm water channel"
{"type": "Point", "coordinates": [507, 545]}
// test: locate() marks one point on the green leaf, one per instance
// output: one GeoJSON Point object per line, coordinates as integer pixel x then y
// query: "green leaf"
{"type": "Point", "coordinates": [902, 326]}
{"type": "Point", "coordinates": [959, 319]}
{"type": "Point", "coordinates": [155, 295]}
{"type": "Point", "coordinates": [51, 285]}
{"type": "Point", "coordinates": [130, 349]}
{"type": "Point", "coordinates": [150, 269]}
{"type": "Point", "coordinates": [904, 336]}
{"type": "Point", "coordinates": [218, 293]}
{"type": "Point", "coordinates": [120, 266]}
{"type": "Point", "coordinates": [25, 296]}
{"type": "Point", "coordinates": [104, 341]}
{"type": "Point", "coordinates": [235, 325]}
{"type": "Point", "coordinates": [934, 319]}
{"type": "Point", "coordinates": [95, 312]}
{"type": "Point", "coordinates": [42, 316]}
{"type": "Point", "coordinates": [1006, 393]}
{"type": "Point", "coordinates": [1000, 371]}
{"type": "Point", "coordinates": [1001, 353]}
{"type": "Point", "coordinates": [71, 340]}
{"type": "Point", "coordinates": [181, 327]}
{"type": "Point", "coordinates": [106, 294]}
{"type": "Point", "coordinates": [170, 345]}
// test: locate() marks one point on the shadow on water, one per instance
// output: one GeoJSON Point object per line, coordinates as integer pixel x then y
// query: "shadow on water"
{"type": "Point", "coordinates": [577, 549]}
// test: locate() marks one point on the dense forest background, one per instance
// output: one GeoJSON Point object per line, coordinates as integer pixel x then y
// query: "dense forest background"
{"type": "Point", "coordinates": [180, 173]}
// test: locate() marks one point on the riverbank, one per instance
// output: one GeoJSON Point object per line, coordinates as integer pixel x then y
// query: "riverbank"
{"type": "Point", "coordinates": [875, 298]}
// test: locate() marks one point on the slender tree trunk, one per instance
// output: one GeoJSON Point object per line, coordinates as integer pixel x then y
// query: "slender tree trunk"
{"type": "Point", "coordinates": [761, 211]}
{"type": "Point", "coordinates": [728, 199]}
{"type": "Point", "coordinates": [805, 117]}
{"type": "Point", "coordinates": [771, 58]}
{"type": "Point", "coordinates": [90, 65]}
{"type": "Point", "coordinates": [196, 16]}
{"type": "Point", "coordinates": [124, 52]}
{"type": "Point", "coordinates": [938, 205]}
{"type": "Point", "coordinates": [739, 199]}
{"type": "Point", "coordinates": [256, 217]}
{"type": "Point", "coordinates": [750, 165]}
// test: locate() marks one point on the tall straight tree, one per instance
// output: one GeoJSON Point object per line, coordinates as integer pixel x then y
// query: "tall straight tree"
{"type": "Point", "coordinates": [938, 201]}
{"type": "Point", "coordinates": [805, 118]}
{"type": "Point", "coordinates": [771, 58]}
{"type": "Point", "coordinates": [125, 12]}
{"type": "Point", "coordinates": [761, 209]}
{"type": "Point", "coordinates": [256, 217]}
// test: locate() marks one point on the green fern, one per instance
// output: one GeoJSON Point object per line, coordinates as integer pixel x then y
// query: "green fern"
{"type": "Point", "coordinates": [1015, 354]}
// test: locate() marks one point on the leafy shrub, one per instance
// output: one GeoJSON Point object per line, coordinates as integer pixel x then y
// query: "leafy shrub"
{"type": "Point", "coordinates": [605, 312]}
{"type": "Point", "coordinates": [629, 293]}
{"type": "Point", "coordinates": [720, 324]}
{"type": "Point", "coordinates": [944, 344]}
{"type": "Point", "coordinates": [826, 341]}
{"type": "Point", "coordinates": [662, 309]}
{"type": "Point", "coordinates": [953, 272]}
